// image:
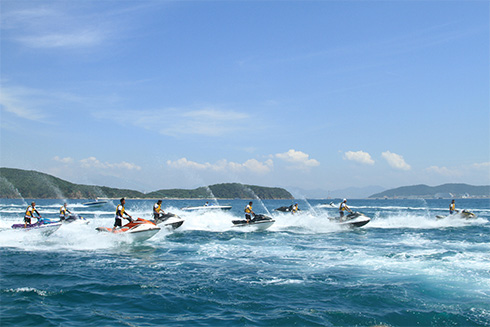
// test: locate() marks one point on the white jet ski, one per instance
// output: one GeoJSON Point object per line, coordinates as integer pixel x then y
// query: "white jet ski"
{"type": "Point", "coordinates": [355, 219]}
{"type": "Point", "coordinates": [208, 207]}
{"type": "Point", "coordinates": [258, 222]}
{"type": "Point", "coordinates": [169, 220]}
{"type": "Point", "coordinates": [326, 205]}
{"type": "Point", "coordinates": [460, 214]}
{"type": "Point", "coordinates": [139, 230]}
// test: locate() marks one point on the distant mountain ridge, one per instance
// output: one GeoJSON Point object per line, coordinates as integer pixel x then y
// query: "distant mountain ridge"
{"type": "Point", "coordinates": [441, 191]}
{"type": "Point", "coordinates": [19, 183]}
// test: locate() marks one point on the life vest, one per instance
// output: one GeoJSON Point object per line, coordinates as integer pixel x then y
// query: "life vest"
{"type": "Point", "coordinates": [119, 210]}
{"type": "Point", "coordinates": [30, 211]}
{"type": "Point", "coordinates": [157, 208]}
{"type": "Point", "coordinates": [452, 206]}
{"type": "Point", "coordinates": [342, 207]}
{"type": "Point", "coordinates": [248, 209]}
{"type": "Point", "coordinates": [62, 211]}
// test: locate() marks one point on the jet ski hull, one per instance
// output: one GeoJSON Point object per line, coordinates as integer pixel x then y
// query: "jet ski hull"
{"type": "Point", "coordinates": [46, 228]}
{"type": "Point", "coordinates": [139, 230]}
{"type": "Point", "coordinates": [259, 222]}
{"type": "Point", "coordinates": [169, 220]}
{"type": "Point", "coordinates": [355, 219]}
{"type": "Point", "coordinates": [461, 215]}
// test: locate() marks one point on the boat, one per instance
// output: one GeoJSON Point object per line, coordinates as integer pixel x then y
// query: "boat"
{"type": "Point", "coordinates": [96, 203]}
{"type": "Point", "coordinates": [169, 220]}
{"type": "Point", "coordinates": [464, 214]}
{"type": "Point", "coordinates": [258, 222]}
{"type": "Point", "coordinates": [207, 207]}
{"type": "Point", "coordinates": [45, 226]}
{"type": "Point", "coordinates": [354, 219]}
{"type": "Point", "coordinates": [139, 229]}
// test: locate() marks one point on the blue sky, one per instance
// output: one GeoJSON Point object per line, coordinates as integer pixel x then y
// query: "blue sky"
{"type": "Point", "coordinates": [309, 94]}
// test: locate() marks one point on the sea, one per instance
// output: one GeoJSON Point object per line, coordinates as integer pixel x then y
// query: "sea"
{"type": "Point", "coordinates": [404, 268]}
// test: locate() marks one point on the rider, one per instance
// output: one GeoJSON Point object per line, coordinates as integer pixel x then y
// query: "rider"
{"type": "Point", "coordinates": [452, 207]}
{"type": "Point", "coordinates": [294, 208]}
{"type": "Point", "coordinates": [120, 212]}
{"type": "Point", "coordinates": [157, 210]}
{"type": "Point", "coordinates": [249, 212]}
{"type": "Point", "coordinates": [63, 211]}
{"type": "Point", "coordinates": [30, 213]}
{"type": "Point", "coordinates": [343, 207]}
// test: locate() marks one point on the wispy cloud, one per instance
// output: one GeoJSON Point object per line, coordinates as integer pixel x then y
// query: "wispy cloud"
{"type": "Point", "coordinates": [395, 160]}
{"type": "Point", "coordinates": [177, 122]}
{"type": "Point", "coordinates": [359, 156]}
{"type": "Point", "coordinates": [66, 25]}
{"type": "Point", "coordinates": [32, 104]}
{"type": "Point", "coordinates": [251, 165]}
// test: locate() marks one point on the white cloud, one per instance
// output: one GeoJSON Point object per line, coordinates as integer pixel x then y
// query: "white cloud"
{"type": "Point", "coordinates": [92, 162]}
{"type": "Point", "coordinates": [482, 165]}
{"type": "Point", "coordinates": [66, 160]}
{"type": "Point", "coordinates": [359, 156]}
{"type": "Point", "coordinates": [395, 160]}
{"type": "Point", "coordinates": [300, 160]}
{"type": "Point", "coordinates": [444, 171]}
{"type": "Point", "coordinates": [251, 165]}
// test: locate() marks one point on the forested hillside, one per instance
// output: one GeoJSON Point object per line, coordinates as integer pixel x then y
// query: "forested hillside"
{"type": "Point", "coordinates": [18, 183]}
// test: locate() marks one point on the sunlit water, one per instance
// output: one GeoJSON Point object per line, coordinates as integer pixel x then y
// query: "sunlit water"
{"type": "Point", "coordinates": [404, 268]}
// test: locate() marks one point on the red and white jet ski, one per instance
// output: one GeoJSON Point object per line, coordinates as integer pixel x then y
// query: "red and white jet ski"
{"type": "Point", "coordinates": [139, 229]}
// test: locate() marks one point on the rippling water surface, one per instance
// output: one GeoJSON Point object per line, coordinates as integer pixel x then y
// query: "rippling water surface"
{"type": "Point", "coordinates": [404, 268]}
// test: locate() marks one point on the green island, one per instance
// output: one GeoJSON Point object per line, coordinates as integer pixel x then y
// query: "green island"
{"type": "Point", "coordinates": [19, 183]}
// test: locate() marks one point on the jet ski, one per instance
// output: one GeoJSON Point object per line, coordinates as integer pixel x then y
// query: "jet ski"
{"type": "Point", "coordinates": [139, 229]}
{"type": "Point", "coordinates": [355, 219]}
{"type": "Point", "coordinates": [326, 205]}
{"type": "Point", "coordinates": [44, 225]}
{"type": "Point", "coordinates": [208, 207]}
{"type": "Point", "coordinates": [74, 218]}
{"type": "Point", "coordinates": [285, 209]}
{"type": "Point", "coordinates": [70, 219]}
{"type": "Point", "coordinates": [169, 220]}
{"type": "Point", "coordinates": [461, 214]}
{"type": "Point", "coordinates": [258, 222]}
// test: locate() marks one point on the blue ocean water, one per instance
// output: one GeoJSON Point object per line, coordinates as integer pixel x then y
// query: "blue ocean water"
{"type": "Point", "coordinates": [404, 268]}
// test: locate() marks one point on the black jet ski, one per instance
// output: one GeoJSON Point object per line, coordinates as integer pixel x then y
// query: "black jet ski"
{"type": "Point", "coordinates": [258, 222]}
{"type": "Point", "coordinates": [285, 209]}
{"type": "Point", "coordinates": [354, 219]}
{"type": "Point", "coordinates": [169, 220]}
